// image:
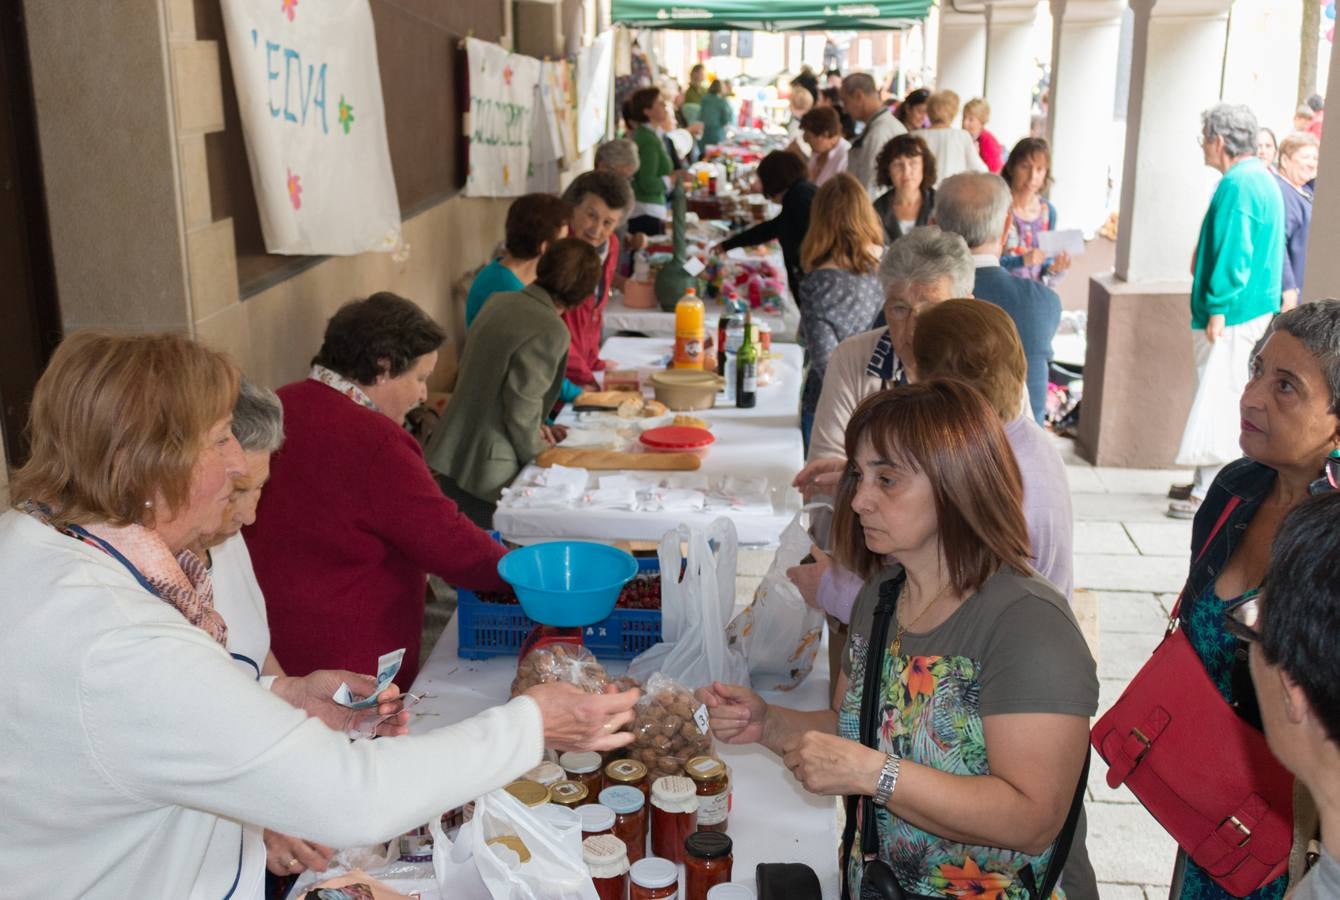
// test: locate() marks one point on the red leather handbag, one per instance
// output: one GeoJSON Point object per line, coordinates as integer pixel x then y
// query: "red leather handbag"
{"type": "Point", "coordinates": [1206, 775]}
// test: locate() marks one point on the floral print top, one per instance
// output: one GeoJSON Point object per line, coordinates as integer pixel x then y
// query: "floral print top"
{"type": "Point", "coordinates": [333, 379]}
{"type": "Point", "coordinates": [983, 660]}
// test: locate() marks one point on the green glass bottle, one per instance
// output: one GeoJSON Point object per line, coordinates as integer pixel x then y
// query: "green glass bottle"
{"type": "Point", "coordinates": [746, 367]}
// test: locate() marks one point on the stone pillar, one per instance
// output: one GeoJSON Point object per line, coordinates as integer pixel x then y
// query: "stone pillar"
{"type": "Point", "coordinates": [1139, 373]}
{"type": "Point", "coordinates": [1081, 126]}
{"type": "Point", "coordinates": [1011, 70]}
{"type": "Point", "coordinates": [961, 53]}
{"type": "Point", "coordinates": [1322, 277]}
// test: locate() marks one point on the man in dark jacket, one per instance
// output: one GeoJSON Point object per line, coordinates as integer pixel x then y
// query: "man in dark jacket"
{"type": "Point", "coordinates": [784, 178]}
{"type": "Point", "coordinates": [976, 205]}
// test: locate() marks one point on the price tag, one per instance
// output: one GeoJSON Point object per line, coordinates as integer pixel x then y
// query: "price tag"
{"type": "Point", "coordinates": [700, 717]}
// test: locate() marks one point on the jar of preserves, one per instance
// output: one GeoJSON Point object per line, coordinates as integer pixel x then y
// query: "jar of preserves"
{"type": "Point", "coordinates": [596, 819]}
{"type": "Point", "coordinates": [731, 890]}
{"type": "Point", "coordinates": [674, 815]}
{"type": "Point", "coordinates": [607, 862]}
{"type": "Point", "coordinates": [713, 787]}
{"type": "Point", "coordinates": [707, 863]}
{"type": "Point", "coordinates": [531, 793]}
{"type": "Point", "coordinates": [630, 818]}
{"type": "Point", "coordinates": [654, 879]}
{"type": "Point", "coordinates": [568, 793]}
{"type": "Point", "coordinates": [546, 773]}
{"type": "Point", "coordinates": [584, 768]}
{"type": "Point", "coordinates": [631, 772]}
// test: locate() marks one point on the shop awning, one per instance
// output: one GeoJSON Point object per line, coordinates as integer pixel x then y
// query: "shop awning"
{"type": "Point", "coordinates": [777, 15]}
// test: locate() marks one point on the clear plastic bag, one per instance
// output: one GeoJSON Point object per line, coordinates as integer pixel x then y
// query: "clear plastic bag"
{"type": "Point", "coordinates": [564, 663]}
{"type": "Point", "coordinates": [669, 727]}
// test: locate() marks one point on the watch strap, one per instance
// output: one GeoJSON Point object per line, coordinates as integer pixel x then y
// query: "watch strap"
{"type": "Point", "coordinates": [888, 779]}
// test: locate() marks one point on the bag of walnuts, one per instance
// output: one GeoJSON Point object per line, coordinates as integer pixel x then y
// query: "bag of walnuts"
{"type": "Point", "coordinates": [670, 727]}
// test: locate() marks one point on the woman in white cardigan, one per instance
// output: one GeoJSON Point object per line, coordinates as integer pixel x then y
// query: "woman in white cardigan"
{"type": "Point", "coordinates": [133, 741]}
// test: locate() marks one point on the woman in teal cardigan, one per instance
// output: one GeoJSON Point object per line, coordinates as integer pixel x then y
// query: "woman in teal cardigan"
{"type": "Point", "coordinates": [715, 115]}
{"type": "Point", "coordinates": [651, 117]}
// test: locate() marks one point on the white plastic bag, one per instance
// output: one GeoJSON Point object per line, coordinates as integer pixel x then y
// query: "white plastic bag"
{"type": "Point", "coordinates": [1222, 371]}
{"type": "Point", "coordinates": [695, 609]}
{"type": "Point", "coordinates": [470, 868]}
{"type": "Point", "coordinates": [778, 633]}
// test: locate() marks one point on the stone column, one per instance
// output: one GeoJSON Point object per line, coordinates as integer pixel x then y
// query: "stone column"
{"type": "Point", "coordinates": [961, 53]}
{"type": "Point", "coordinates": [1322, 277]}
{"type": "Point", "coordinates": [1011, 71]}
{"type": "Point", "coordinates": [1139, 374]}
{"type": "Point", "coordinates": [1082, 127]}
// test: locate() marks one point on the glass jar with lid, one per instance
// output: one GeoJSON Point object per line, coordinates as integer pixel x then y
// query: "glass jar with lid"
{"type": "Point", "coordinates": [731, 890]}
{"type": "Point", "coordinates": [631, 772]}
{"type": "Point", "coordinates": [654, 879]}
{"type": "Point", "coordinates": [707, 863]}
{"type": "Point", "coordinates": [531, 793]}
{"type": "Point", "coordinates": [674, 815]}
{"type": "Point", "coordinates": [584, 768]}
{"type": "Point", "coordinates": [630, 818]}
{"type": "Point", "coordinates": [568, 793]}
{"type": "Point", "coordinates": [713, 786]}
{"type": "Point", "coordinates": [596, 819]}
{"type": "Point", "coordinates": [546, 773]}
{"type": "Point", "coordinates": [607, 863]}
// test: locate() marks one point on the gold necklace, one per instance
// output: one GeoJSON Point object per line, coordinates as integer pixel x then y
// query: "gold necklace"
{"type": "Point", "coordinates": [902, 629]}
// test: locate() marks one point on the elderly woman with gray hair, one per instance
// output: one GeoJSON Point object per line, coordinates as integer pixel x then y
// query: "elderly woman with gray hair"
{"type": "Point", "coordinates": [1237, 283]}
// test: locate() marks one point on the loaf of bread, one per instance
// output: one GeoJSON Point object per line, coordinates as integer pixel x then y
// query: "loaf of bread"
{"type": "Point", "coordinates": [618, 459]}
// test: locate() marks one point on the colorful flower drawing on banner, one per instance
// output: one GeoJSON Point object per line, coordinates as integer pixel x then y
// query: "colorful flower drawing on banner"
{"type": "Point", "coordinates": [289, 8]}
{"type": "Point", "coordinates": [346, 115]}
{"type": "Point", "coordinates": [294, 189]}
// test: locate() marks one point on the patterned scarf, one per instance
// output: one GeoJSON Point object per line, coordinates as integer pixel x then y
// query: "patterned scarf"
{"type": "Point", "coordinates": [332, 379]}
{"type": "Point", "coordinates": [181, 580]}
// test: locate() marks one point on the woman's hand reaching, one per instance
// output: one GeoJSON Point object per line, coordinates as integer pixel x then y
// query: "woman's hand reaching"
{"type": "Point", "coordinates": [313, 695]}
{"type": "Point", "coordinates": [576, 720]}
{"type": "Point", "coordinates": [737, 714]}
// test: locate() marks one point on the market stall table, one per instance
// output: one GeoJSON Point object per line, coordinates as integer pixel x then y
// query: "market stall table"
{"type": "Point", "coordinates": [619, 317]}
{"type": "Point", "coordinates": [772, 818]}
{"type": "Point", "coordinates": [759, 443]}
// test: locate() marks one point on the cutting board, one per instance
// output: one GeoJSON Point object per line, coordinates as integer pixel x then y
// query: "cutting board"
{"type": "Point", "coordinates": [618, 459]}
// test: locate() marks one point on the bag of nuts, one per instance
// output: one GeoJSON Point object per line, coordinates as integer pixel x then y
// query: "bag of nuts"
{"type": "Point", "coordinates": [572, 664]}
{"type": "Point", "coordinates": [669, 728]}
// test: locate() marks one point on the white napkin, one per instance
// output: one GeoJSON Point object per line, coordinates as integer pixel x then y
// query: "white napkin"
{"type": "Point", "coordinates": [531, 497]}
{"type": "Point", "coordinates": [610, 498]}
{"type": "Point", "coordinates": [676, 500]}
{"type": "Point", "coordinates": [620, 483]}
{"type": "Point", "coordinates": [566, 478]}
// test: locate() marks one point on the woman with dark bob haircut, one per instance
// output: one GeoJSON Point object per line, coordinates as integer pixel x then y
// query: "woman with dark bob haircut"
{"type": "Point", "coordinates": [961, 720]}
{"type": "Point", "coordinates": [784, 177]}
{"type": "Point", "coordinates": [510, 377]}
{"type": "Point", "coordinates": [352, 521]}
{"type": "Point", "coordinates": [129, 714]}
{"type": "Point", "coordinates": [907, 167]}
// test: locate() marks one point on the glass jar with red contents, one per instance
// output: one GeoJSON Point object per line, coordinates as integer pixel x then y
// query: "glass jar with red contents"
{"type": "Point", "coordinates": [607, 863]}
{"type": "Point", "coordinates": [654, 879]}
{"type": "Point", "coordinates": [713, 787]}
{"type": "Point", "coordinates": [596, 819]}
{"type": "Point", "coordinates": [568, 793]}
{"type": "Point", "coordinates": [630, 772]}
{"type": "Point", "coordinates": [584, 768]}
{"type": "Point", "coordinates": [630, 818]}
{"type": "Point", "coordinates": [707, 862]}
{"type": "Point", "coordinates": [674, 815]}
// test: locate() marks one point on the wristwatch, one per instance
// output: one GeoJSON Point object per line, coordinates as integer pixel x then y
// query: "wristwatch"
{"type": "Point", "coordinates": [888, 779]}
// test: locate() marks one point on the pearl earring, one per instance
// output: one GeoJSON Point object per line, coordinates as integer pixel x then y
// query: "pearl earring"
{"type": "Point", "coordinates": [148, 504]}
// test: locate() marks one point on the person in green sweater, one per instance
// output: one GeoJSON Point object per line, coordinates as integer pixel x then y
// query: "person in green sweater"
{"type": "Point", "coordinates": [695, 92]}
{"type": "Point", "coordinates": [651, 118]}
{"type": "Point", "coordinates": [1235, 290]}
{"type": "Point", "coordinates": [715, 114]}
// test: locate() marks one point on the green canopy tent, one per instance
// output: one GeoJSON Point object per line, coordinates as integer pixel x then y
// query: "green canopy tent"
{"type": "Point", "coordinates": [770, 15]}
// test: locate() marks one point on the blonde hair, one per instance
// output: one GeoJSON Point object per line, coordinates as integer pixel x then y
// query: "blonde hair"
{"type": "Point", "coordinates": [974, 341]}
{"type": "Point", "coordinates": [978, 108]}
{"type": "Point", "coordinates": [117, 420]}
{"type": "Point", "coordinates": [941, 107]}
{"type": "Point", "coordinates": [1297, 141]}
{"type": "Point", "coordinates": [843, 228]}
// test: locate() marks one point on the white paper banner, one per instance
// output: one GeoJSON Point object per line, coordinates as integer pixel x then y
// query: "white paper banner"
{"type": "Point", "coordinates": [310, 97]}
{"type": "Point", "coordinates": [502, 97]}
{"type": "Point", "coordinates": [594, 84]}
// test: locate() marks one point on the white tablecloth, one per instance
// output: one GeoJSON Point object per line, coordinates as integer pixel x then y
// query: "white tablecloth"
{"type": "Point", "coordinates": [763, 441]}
{"type": "Point", "coordinates": [772, 818]}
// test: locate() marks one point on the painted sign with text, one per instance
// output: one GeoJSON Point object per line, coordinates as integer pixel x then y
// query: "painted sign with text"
{"type": "Point", "coordinates": [310, 99]}
{"type": "Point", "coordinates": [501, 119]}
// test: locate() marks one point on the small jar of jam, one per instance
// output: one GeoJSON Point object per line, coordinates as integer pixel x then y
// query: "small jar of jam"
{"type": "Point", "coordinates": [531, 793]}
{"type": "Point", "coordinates": [596, 819]}
{"type": "Point", "coordinates": [584, 768]}
{"type": "Point", "coordinates": [546, 773]}
{"type": "Point", "coordinates": [731, 891]}
{"type": "Point", "coordinates": [707, 863]}
{"type": "Point", "coordinates": [630, 772]}
{"type": "Point", "coordinates": [654, 879]}
{"type": "Point", "coordinates": [568, 793]}
{"type": "Point", "coordinates": [630, 818]}
{"type": "Point", "coordinates": [713, 787]}
{"type": "Point", "coordinates": [674, 816]}
{"type": "Point", "coordinates": [607, 863]}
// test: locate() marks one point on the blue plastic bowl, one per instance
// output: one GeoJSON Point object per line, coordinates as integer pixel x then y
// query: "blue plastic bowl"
{"type": "Point", "coordinates": [568, 583]}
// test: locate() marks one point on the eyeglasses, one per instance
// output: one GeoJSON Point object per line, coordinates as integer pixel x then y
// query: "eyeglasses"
{"type": "Point", "coordinates": [900, 312]}
{"type": "Point", "coordinates": [1241, 617]}
{"type": "Point", "coordinates": [1330, 479]}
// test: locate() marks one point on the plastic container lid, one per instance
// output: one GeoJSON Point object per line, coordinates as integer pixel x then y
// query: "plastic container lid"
{"type": "Point", "coordinates": [531, 793]}
{"type": "Point", "coordinates": [595, 818]}
{"type": "Point", "coordinates": [708, 844]}
{"type": "Point", "coordinates": [677, 437]}
{"type": "Point", "coordinates": [622, 798]}
{"type": "Point", "coordinates": [546, 773]}
{"type": "Point", "coordinates": [675, 794]}
{"type": "Point", "coordinates": [605, 856]}
{"type": "Point", "coordinates": [654, 872]}
{"type": "Point", "coordinates": [730, 891]}
{"type": "Point", "coordinates": [626, 771]}
{"type": "Point", "coordinates": [559, 817]}
{"type": "Point", "coordinates": [580, 762]}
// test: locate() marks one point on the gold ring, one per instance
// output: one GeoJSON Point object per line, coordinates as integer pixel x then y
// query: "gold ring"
{"type": "Point", "coordinates": [292, 862]}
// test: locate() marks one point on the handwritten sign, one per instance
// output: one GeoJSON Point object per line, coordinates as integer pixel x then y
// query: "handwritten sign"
{"type": "Point", "coordinates": [503, 90]}
{"type": "Point", "coordinates": [595, 79]}
{"type": "Point", "coordinates": [310, 98]}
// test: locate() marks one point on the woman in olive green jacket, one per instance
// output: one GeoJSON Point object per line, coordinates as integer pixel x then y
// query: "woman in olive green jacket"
{"type": "Point", "coordinates": [509, 379]}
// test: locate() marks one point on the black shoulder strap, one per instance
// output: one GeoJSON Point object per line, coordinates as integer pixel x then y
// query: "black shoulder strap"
{"type": "Point", "coordinates": [874, 662]}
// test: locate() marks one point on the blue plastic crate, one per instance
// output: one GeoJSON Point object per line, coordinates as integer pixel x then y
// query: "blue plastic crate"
{"type": "Point", "coordinates": [498, 629]}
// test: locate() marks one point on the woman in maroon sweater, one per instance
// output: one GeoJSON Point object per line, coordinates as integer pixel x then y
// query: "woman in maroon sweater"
{"type": "Point", "coordinates": [352, 521]}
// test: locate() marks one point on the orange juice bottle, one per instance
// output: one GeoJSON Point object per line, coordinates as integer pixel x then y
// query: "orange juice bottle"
{"type": "Point", "coordinates": [689, 331]}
